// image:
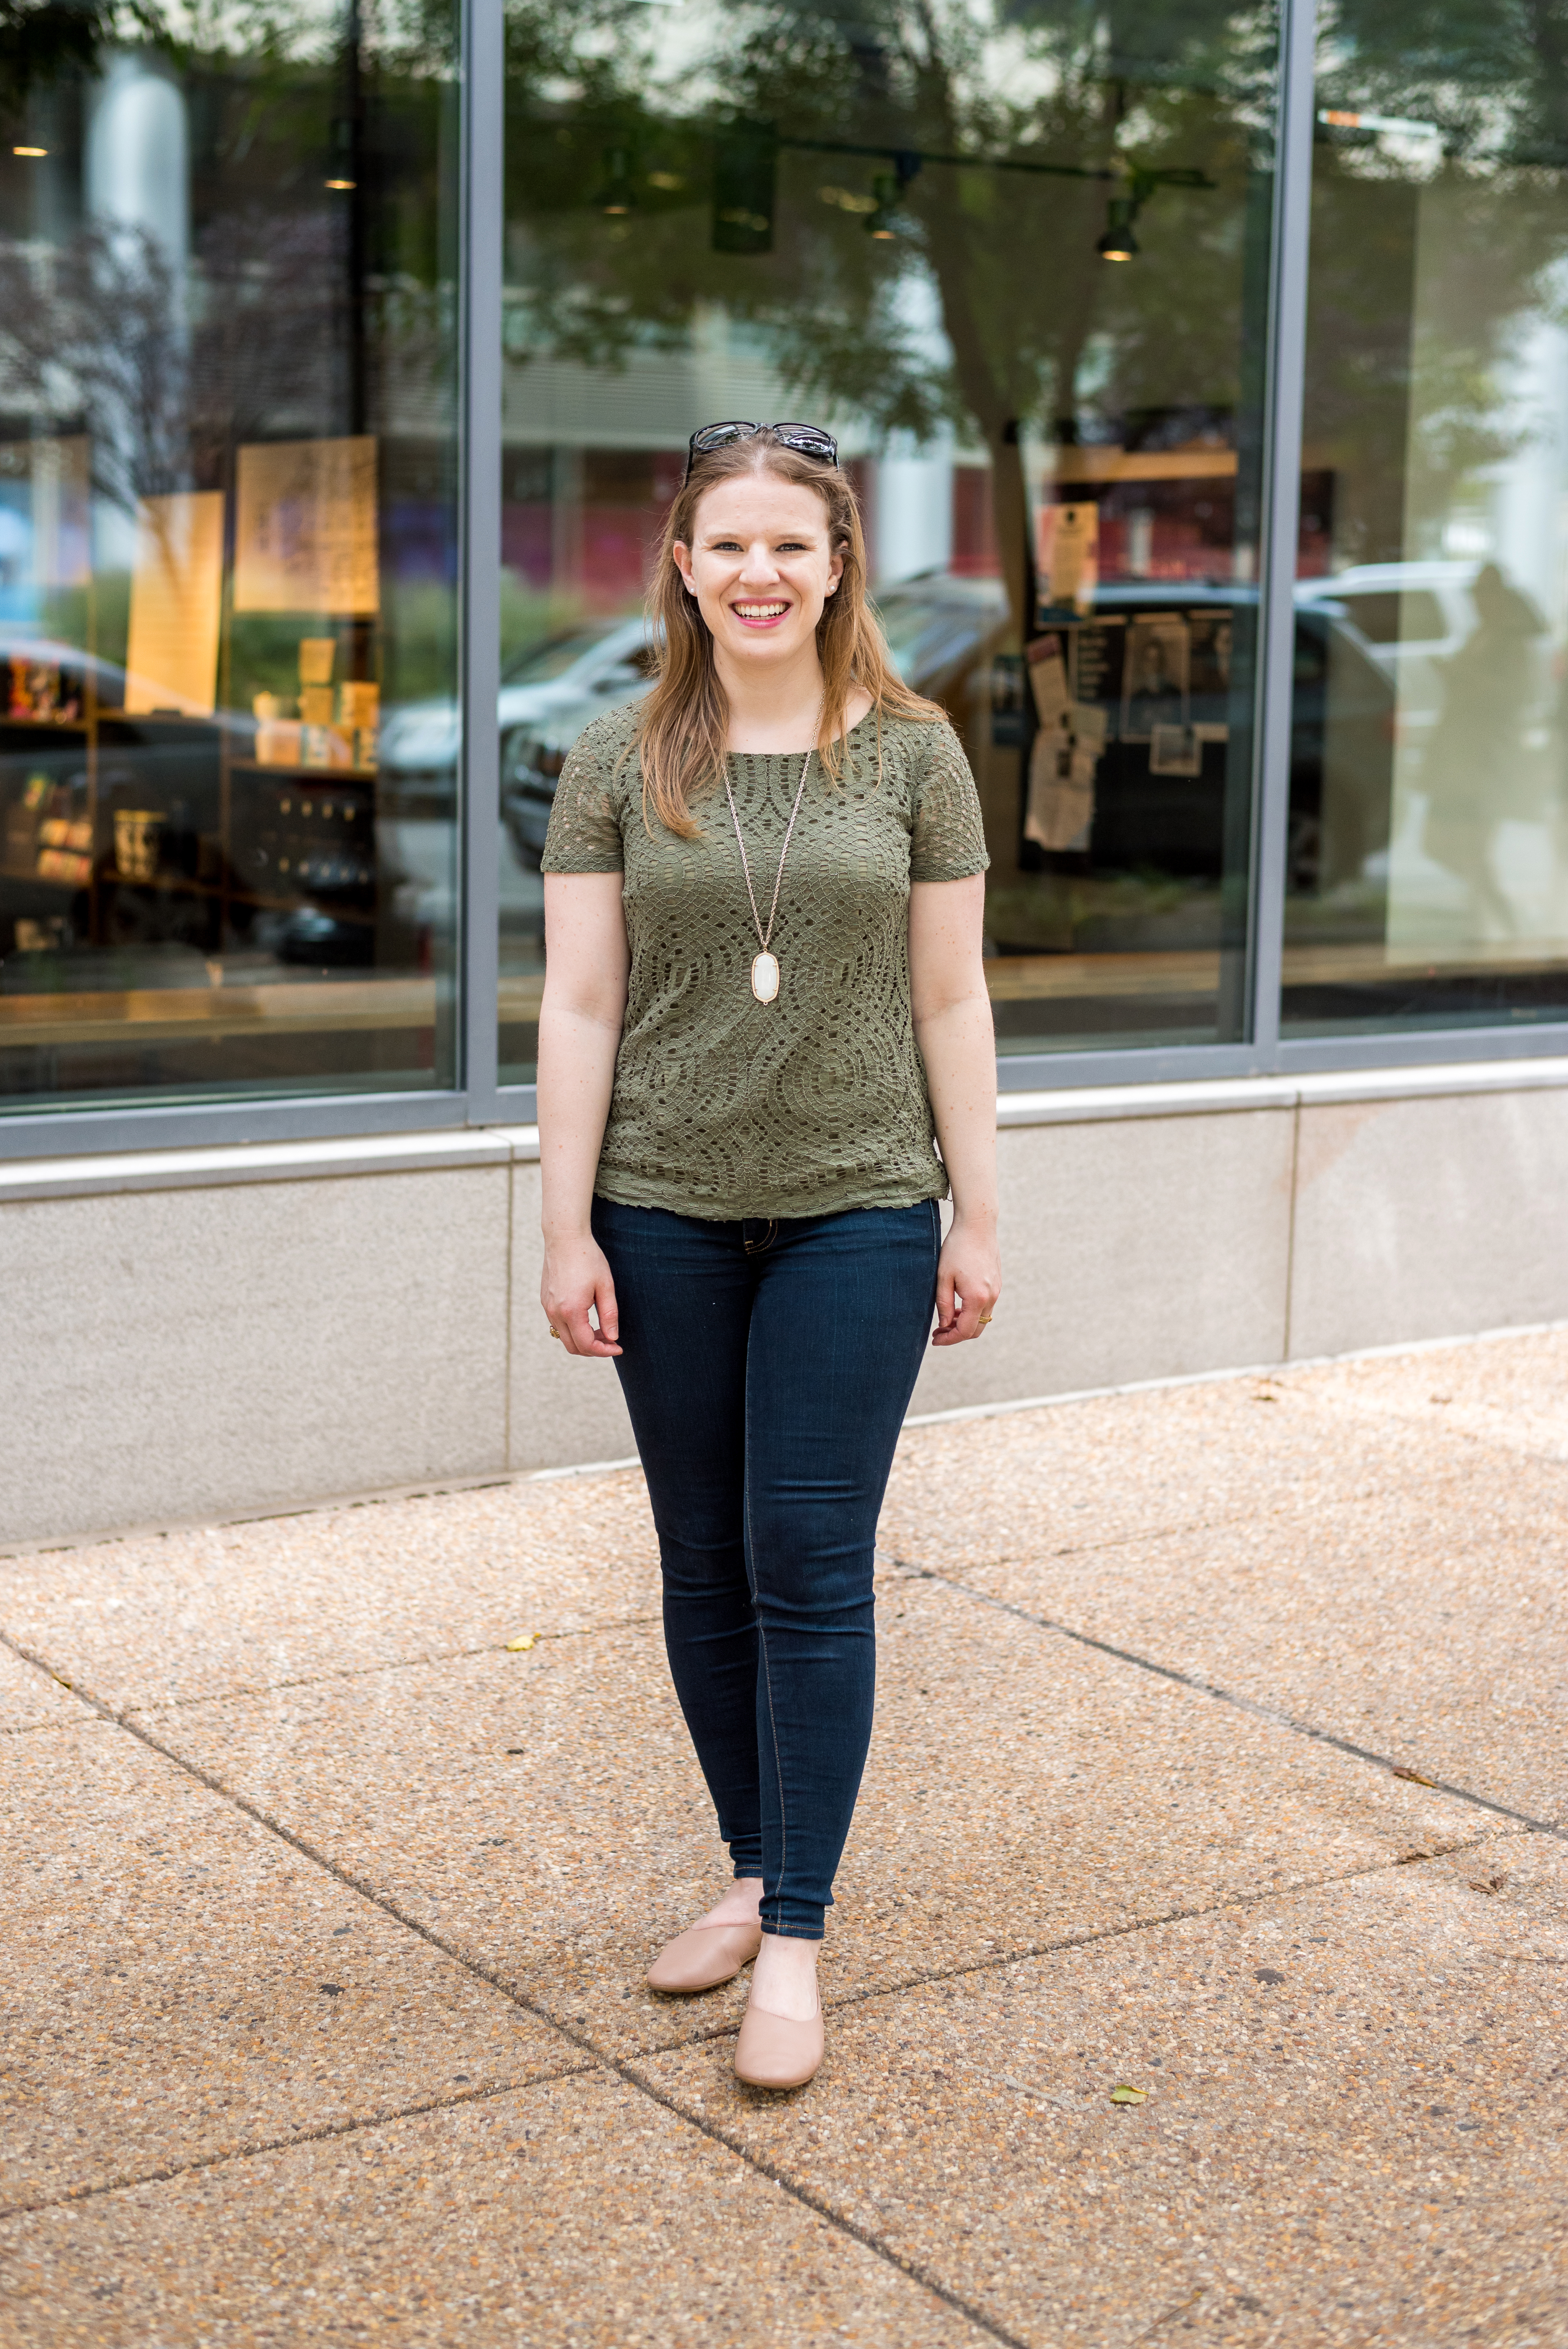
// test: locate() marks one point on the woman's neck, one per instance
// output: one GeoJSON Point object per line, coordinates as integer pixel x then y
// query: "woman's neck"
{"type": "Point", "coordinates": [773, 708]}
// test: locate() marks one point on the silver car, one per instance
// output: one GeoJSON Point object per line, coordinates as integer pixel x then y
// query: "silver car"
{"type": "Point", "coordinates": [585, 668]}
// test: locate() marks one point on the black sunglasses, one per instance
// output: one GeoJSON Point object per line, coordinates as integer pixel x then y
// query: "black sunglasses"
{"type": "Point", "coordinates": [805, 439]}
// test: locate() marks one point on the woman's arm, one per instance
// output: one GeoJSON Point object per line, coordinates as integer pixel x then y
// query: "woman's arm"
{"type": "Point", "coordinates": [958, 1043]}
{"type": "Point", "coordinates": [586, 962]}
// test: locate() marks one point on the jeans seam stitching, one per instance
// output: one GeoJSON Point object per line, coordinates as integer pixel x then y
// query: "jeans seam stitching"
{"type": "Point", "coordinates": [768, 1683]}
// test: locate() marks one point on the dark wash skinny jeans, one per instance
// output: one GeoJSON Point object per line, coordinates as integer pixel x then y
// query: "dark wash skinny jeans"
{"type": "Point", "coordinates": [767, 1367]}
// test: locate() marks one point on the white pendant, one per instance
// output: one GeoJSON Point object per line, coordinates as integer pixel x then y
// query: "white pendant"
{"type": "Point", "coordinates": [764, 978]}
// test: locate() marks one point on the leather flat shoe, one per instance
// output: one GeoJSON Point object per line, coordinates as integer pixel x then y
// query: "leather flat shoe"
{"type": "Point", "coordinates": [775, 2052]}
{"type": "Point", "coordinates": [704, 1956]}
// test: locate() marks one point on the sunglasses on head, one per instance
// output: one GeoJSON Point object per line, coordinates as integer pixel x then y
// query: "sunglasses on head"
{"type": "Point", "coordinates": [805, 439]}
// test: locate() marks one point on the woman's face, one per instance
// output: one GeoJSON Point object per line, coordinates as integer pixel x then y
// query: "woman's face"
{"type": "Point", "coordinates": [760, 566]}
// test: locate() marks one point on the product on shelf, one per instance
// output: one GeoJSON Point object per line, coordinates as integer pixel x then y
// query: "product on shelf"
{"type": "Point", "coordinates": [316, 655]}
{"type": "Point", "coordinates": [137, 836]}
{"type": "Point", "coordinates": [62, 865]}
{"type": "Point", "coordinates": [40, 692]}
{"type": "Point", "coordinates": [359, 715]}
{"type": "Point", "coordinates": [22, 818]}
{"type": "Point", "coordinates": [277, 734]}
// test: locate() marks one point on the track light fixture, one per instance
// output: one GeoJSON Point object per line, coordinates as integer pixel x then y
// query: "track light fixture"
{"type": "Point", "coordinates": [1118, 243]}
{"type": "Point", "coordinates": [889, 220]}
{"type": "Point", "coordinates": [618, 196]}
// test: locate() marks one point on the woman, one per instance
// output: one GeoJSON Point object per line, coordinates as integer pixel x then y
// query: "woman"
{"type": "Point", "coordinates": [763, 909]}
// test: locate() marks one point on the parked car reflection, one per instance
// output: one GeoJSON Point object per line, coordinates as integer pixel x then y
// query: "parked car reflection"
{"type": "Point", "coordinates": [585, 668]}
{"type": "Point", "coordinates": [1170, 740]}
{"type": "Point", "coordinates": [1411, 620]}
{"type": "Point", "coordinates": [939, 632]}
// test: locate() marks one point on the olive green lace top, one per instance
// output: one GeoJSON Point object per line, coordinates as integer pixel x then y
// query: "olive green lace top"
{"type": "Point", "coordinates": [725, 1107]}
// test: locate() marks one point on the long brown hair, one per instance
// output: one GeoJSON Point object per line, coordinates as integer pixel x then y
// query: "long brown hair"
{"type": "Point", "coordinates": [683, 727]}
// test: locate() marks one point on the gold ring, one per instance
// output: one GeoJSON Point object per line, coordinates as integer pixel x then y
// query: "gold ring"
{"type": "Point", "coordinates": [552, 1330]}
{"type": "Point", "coordinates": [984, 1318]}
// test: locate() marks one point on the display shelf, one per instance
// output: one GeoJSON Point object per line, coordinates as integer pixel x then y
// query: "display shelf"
{"type": "Point", "coordinates": [301, 773]}
{"type": "Point", "coordinates": [25, 873]}
{"type": "Point", "coordinates": [278, 839]}
{"type": "Point", "coordinates": [183, 1015]}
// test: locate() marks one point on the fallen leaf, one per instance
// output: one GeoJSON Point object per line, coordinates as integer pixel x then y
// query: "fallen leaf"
{"type": "Point", "coordinates": [1414, 1776]}
{"type": "Point", "coordinates": [1406, 1859]}
{"type": "Point", "coordinates": [1487, 1883]}
{"type": "Point", "coordinates": [521, 1647]}
{"type": "Point", "coordinates": [1122, 2095]}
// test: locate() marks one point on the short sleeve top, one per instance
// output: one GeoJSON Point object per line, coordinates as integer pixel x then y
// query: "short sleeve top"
{"type": "Point", "coordinates": [816, 1102]}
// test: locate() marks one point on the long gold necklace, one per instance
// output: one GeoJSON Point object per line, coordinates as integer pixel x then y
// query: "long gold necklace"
{"type": "Point", "coordinates": [765, 965]}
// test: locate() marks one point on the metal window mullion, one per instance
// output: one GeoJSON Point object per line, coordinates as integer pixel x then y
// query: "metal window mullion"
{"type": "Point", "coordinates": [479, 269]}
{"type": "Point", "coordinates": [1285, 392]}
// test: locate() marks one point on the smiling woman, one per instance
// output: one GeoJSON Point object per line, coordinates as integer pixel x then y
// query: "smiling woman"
{"type": "Point", "coordinates": [754, 1034]}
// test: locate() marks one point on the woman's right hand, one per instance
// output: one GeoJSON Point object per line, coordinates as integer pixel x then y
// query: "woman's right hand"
{"type": "Point", "coordinates": [576, 1275]}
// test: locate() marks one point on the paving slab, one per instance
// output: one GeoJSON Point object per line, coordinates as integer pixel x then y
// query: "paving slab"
{"type": "Point", "coordinates": [161, 1619]}
{"type": "Point", "coordinates": [546, 1814]}
{"type": "Point", "coordinates": [576, 2216]}
{"type": "Point", "coordinates": [1089, 1475]}
{"type": "Point", "coordinates": [33, 1699]}
{"type": "Point", "coordinates": [1433, 1632]}
{"type": "Point", "coordinates": [1353, 2126]}
{"type": "Point", "coordinates": [180, 1983]}
{"type": "Point", "coordinates": [1508, 1392]}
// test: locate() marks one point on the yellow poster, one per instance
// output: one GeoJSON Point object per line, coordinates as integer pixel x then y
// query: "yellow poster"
{"type": "Point", "coordinates": [176, 604]}
{"type": "Point", "coordinates": [305, 537]}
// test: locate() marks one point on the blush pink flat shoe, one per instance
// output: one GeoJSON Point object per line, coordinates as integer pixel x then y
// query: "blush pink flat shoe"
{"type": "Point", "coordinates": [702, 1957]}
{"type": "Point", "coordinates": [775, 2052]}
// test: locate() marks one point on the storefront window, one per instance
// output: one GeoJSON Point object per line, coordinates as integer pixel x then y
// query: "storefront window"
{"type": "Point", "coordinates": [1016, 257]}
{"type": "Point", "coordinates": [1428, 874]}
{"type": "Point", "coordinates": [227, 552]}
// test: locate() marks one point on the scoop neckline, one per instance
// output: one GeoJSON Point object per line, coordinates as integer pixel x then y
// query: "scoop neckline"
{"type": "Point", "coordinates": [847, 736]}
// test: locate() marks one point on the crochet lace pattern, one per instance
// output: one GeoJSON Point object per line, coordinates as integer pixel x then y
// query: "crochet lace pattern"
{"type": "Point", "coordinates": [725, 1107]}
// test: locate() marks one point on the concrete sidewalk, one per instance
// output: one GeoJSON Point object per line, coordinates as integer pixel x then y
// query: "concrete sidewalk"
{"type": "Point", "coordinates": [1220, 1754]}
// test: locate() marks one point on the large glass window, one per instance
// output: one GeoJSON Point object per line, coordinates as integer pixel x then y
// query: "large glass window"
{"type": "Point", "coordinates": [1428, 874]}
{"type": "Point", "coordinates": [227, 535]}
{"type": "Point", "coordinates": [1015, 253]}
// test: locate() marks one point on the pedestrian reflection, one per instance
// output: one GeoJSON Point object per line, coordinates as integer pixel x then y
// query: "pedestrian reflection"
{"type": "Point", "coordinates": [1479, 770]}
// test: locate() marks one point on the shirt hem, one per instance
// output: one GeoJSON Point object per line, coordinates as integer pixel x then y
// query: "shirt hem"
{"type": "Point", "coordinates": [623, 1191]}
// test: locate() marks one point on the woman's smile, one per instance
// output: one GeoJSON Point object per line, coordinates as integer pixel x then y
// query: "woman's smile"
{"type": "Point", "coordinates": [761, 564]}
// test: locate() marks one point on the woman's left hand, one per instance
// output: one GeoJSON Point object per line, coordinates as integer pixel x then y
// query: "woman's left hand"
{"type": "Point", "coordinates": [968, 1282]}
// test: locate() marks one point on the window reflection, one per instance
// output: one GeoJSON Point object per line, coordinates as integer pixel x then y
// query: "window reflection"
{"type": "Point", "coordinates": [1016, 258]}
{"type": "Point", "coordinates": [226, 554]}
{"type": "Point", "coordinates": [1428, 877]}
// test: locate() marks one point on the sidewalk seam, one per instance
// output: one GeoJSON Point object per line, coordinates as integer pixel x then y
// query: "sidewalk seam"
{"type": "Point", "coordinates": [1275, 1715]}
{"type": "Point", "coordinates": [621, 2067]}
{"type": "Point", "coordinates": [326, 2132]}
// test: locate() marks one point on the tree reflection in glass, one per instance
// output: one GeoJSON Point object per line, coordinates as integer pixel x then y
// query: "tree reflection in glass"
{"type": "Point", "coordinates": [896, 219]}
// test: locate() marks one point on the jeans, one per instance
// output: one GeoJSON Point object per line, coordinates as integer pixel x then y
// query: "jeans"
{"type": "Point", "coordinates": [766, 1366]}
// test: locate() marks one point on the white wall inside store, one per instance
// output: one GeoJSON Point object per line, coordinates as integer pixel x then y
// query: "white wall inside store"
{"type": "Point", "coordinates": [912, 508]}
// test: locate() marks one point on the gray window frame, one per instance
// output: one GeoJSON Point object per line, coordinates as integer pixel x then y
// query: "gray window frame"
{"type": "Point", "coordinates": [478, 1098]}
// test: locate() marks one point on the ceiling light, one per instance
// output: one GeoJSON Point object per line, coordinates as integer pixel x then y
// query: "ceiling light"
{"type": "Point", "coordinates": [341, 183]}
{"type": "Point", "coordinates": [618, 197]}
{"type": "Point", "coordinates": [1118, 243]}
{"type": "Point", "coordinates": [883, 220]}
{"type": "Point", "coordinates": [29, 150]}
